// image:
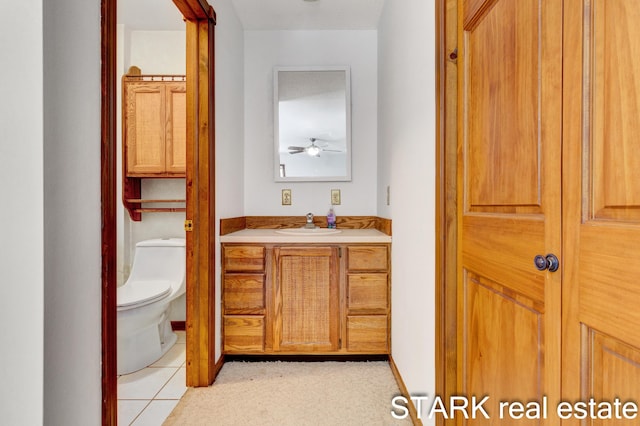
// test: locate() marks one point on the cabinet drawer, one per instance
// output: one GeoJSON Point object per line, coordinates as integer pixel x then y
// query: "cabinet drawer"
{"type": "Point", "coordinates": [243, 293]}
{"type": "Point", "coordinates": [243, 333]}
{"type": "Point", "coordinates": [367, 333]}
{"type": "Point", "coordinates": [368, 293]}
{"type": "Point", "coordinates": [368, 258]}
{"type": "Point", "coordinates": [243, 258]}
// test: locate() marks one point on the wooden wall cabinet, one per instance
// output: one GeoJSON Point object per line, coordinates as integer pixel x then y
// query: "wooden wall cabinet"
{"type": "Point", "coordinates": [153, 134]}
{"type": "Point", "coordinates": [154, 126]}
{"type": "Point", "coordinates": [306, 299]}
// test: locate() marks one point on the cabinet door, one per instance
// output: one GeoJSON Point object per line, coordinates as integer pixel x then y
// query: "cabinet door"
{"type": "Point", "coordinates": [243, 333]}
{"type": "Point", "coordinates": [176, 131]}
{"type": "Point", "coordinates": [368, 293]}
{"type": "Point", "coordinates": [306, 299]}
{"type": "Point", "coordinates": [144, 128]}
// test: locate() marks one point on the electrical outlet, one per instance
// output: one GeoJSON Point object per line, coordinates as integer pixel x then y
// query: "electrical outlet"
{"type": "Point", "coordinates": [286, 197]}
{"type": "Point", "coordinates": [335, 197]}
{"type": "Point", "coordinates": [388, 195]}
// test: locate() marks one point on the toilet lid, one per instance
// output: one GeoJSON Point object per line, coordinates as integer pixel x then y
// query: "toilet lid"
{"type": "Point", "coordinates": [141, 292]}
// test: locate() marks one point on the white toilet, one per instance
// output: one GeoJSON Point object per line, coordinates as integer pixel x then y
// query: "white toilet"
{"type": "Point", "coordinates": [144, 328]}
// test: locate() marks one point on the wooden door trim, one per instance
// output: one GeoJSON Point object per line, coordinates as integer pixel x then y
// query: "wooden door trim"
{"type": "Point", "coordinates": [108, 158]}
{"type": "Point", "coordinates": [200, 183]}
{"type": "Point", "coordinates": [200, 359]}
{"type": "Point", "coordinates": [446, 199]}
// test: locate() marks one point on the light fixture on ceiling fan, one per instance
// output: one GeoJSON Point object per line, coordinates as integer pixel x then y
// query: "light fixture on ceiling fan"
{"type": "Point", "coordinates": [312, 150]}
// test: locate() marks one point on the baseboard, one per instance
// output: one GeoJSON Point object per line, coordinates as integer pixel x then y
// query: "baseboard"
{"type": "Point", "coordinates": [218, 366]}
{"type": "Point", "coordinates": [178, 325]}
{"type": "Point", "coordinates": [404, 392]}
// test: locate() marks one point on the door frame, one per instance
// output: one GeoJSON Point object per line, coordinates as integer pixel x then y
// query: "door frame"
{"type": "Point", "coordinates": [446, 200]}
{"type": "Point", "coordinates": [200, 180]}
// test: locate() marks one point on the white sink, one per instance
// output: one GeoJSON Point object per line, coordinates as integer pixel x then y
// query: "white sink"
{"type": "Point", "coordinates": [309, 231]}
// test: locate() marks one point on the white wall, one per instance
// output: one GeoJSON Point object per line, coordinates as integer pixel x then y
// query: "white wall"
{"type": "Point", "coordinates": [72, 222]}
{"type": "Point", "coordinates": [229, 68]}
{"type": "Point", "coordinates": [50, 148]}
{"type": "Point", "coordinates": [157, 52]}
{"type": "Point", "coordinates": [21, 215]}
{"type": "Point", "coordinates": [406, 133]}
{"type": "Point", "coordinates": [263, 51]}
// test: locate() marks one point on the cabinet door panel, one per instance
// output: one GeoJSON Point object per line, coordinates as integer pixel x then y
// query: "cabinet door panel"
{"type": "Point", "coordinates": [367, 333]}
{"type": "Point", "coordinates": [243, 333]}
{"type": "Point", "coordinates": [243, 293]}
{"type": "Point", "coordinates": [367, 293]}
{"type": "Point", "coordinates": [244, 258]}
{"type": "Point", "coordinates": [176, 148]}
{"type": "Point", "coordinates": [144, 125]}
{"type": "Point", "coordinates": [306, 299]}
{"type": "Point", "coordinates": [368, 258]}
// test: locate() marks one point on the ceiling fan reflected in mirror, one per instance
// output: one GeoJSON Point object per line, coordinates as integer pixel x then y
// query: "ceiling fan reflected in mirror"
{"type": "Point", "coordinates": [312, 150]}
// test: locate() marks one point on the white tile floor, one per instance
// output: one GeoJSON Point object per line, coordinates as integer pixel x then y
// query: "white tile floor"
{"type": "Point", "coordinates": [148, 396]}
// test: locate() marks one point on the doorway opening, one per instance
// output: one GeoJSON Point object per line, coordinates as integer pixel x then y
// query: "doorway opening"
{"type": "Point", "coordinates": [200, 207]}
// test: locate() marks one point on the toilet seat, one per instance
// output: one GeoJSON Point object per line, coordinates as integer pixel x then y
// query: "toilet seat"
{"type": "Point", "coordinates": [142, 292]}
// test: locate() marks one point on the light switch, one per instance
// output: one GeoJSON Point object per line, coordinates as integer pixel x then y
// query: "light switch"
{"type": "Point", "coordinates": [335, 197]}
{"type": "Point", "coordinates": [286, 197]}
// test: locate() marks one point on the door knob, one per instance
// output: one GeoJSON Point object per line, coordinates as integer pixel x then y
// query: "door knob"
{"type": "Point", "coordinates": [549, 262]}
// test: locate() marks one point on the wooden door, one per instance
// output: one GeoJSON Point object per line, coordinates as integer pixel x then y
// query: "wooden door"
{"type": "Point", "coordinates": [509, 181]}
{"type": "Point", "coordinates": [601, 344]}
{"type": "Point", "coordinates": [307, 309]}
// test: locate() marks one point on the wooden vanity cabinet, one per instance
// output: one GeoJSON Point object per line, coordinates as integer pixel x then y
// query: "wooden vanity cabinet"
{"type": "Point", "coordinates": [306, 298]}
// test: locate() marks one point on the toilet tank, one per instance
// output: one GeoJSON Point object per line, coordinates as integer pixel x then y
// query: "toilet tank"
{"type": "Point", "coordinates": [162, 259]}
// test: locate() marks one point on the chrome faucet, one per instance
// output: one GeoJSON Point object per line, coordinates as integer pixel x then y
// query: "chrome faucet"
{"type": "Point", "coordinates": [310, 224]}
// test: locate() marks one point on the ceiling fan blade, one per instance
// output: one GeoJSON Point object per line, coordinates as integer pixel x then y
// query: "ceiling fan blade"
{"type": "Point", "coordinates": [296, 148]}
{"type": "Point", "coordinates": [332, 150]}
{"type": "Point", "coordinates": [295, 152]}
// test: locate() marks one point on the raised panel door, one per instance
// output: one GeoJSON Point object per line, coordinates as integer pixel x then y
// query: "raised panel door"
{"type": "Point", "coordinates": [601, 344]}
{"type": "Point", "coordinates": [509, 186]}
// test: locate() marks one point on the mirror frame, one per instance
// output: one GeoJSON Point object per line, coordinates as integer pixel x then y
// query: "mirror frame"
{"type": "Point", "coordinates": [276, 126]}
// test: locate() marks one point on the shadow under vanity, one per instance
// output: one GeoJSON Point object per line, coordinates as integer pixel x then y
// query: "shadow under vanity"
{"type": "Point", "coordinates": [285, 294]}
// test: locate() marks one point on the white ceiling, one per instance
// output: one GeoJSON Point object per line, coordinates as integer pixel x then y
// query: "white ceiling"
{"type": "Point", "coordinates": [261, 14]}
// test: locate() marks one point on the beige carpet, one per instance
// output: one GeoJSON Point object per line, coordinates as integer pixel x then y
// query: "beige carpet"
{"type": "Point", "coordinates": [292, 393]}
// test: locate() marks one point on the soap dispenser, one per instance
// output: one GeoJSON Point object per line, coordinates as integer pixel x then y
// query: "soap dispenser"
{"type": "Point", "coordinates": [331, 219]}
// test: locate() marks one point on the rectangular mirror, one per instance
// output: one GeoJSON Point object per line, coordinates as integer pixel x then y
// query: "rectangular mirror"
{"type": "Point", "coordinates": [312, 129]}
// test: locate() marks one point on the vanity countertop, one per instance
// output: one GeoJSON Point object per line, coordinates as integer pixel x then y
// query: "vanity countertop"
{"type": "Point", "coordinates": [276, 236]}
